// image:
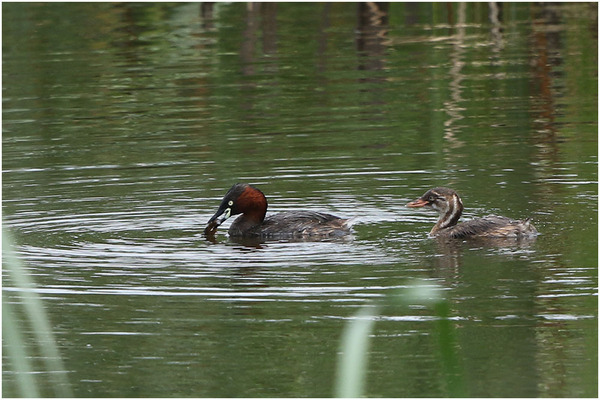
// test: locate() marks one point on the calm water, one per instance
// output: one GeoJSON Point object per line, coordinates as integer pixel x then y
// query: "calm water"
{"type": "Point", "coordinates": [124, 125]}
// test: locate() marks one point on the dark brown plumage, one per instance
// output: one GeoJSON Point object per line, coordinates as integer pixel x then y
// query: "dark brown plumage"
{"type": "Point", "coordinates": [449, 205]}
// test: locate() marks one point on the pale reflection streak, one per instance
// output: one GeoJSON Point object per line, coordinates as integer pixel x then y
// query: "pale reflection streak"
{"type": "Point", "coordinates": [452, 106]}
{"type": "Point", "coordinates": [496, 31]}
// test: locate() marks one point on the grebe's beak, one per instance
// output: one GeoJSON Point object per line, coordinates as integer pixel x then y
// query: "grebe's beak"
{"type": "Point", "coordinates": [216, 220]}
{"type": "Point", "coordinates": [220, 216]}
{"type": "Point", "coordinates": [418, 203]}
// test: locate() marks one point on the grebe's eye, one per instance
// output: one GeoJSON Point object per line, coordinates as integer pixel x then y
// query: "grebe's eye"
{"type": "Point", "coordinates": [230, 202]}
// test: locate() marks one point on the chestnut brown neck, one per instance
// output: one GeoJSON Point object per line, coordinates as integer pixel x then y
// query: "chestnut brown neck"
{"type": "Point", "coordinates": [252, 203]}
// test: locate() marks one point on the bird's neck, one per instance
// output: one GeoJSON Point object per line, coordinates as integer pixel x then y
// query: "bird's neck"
{"type": "Point", "coordinates": [450, 216]}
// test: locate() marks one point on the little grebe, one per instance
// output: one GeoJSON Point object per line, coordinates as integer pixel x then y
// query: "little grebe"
{"type": "Point", "coordinates": [252, 204]}
{"type": "Point", "coordinates": [447, 203]}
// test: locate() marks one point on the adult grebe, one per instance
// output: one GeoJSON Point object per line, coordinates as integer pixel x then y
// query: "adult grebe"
{"type": "Point", "coordinates": [252, 204]}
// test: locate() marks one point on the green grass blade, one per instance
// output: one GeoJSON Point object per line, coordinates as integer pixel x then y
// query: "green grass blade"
{"type": "Point", "coordinates": [15, 349]}
{"type": "Point", "coordinates": [36, 314]}
{"type": "Point", "coordinates": [352, 361]}
{"type": "Point", "coordinates": [453, 373]}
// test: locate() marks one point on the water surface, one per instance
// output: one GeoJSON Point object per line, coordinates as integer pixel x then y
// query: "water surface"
{"type": "Point", "coordinates": [125, 124]}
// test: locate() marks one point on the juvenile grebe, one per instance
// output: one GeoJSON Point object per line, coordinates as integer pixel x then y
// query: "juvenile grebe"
{"type": "Point", "coordinates": [447, 203]}
{"type": "Point", "coordinates": [252, 204]}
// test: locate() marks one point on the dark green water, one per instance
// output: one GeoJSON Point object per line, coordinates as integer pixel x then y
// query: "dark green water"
{"type": "Point", "coordinates": [125, 124]}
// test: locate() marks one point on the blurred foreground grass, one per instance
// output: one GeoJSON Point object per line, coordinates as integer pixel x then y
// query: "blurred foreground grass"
{"type": "Point", "coordinates": [15, 339]}
{"type": "Point", "coordinates": [352, 363]}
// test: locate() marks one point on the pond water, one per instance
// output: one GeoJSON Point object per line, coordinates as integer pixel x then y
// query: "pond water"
{"type": "Point", "coordinates": [125, 124]}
